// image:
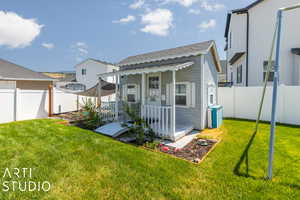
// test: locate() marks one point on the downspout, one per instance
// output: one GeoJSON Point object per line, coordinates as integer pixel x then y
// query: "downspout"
{"type": "Point", "coordinates": [247, 49]}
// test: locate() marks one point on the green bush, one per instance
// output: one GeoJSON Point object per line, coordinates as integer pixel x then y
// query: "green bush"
{"type": "Point", "coordinates": [139, 128]}
{"type": "Point", "coordinates": [90, 116]}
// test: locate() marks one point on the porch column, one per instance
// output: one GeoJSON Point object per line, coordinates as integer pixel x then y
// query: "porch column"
{"type": "Point", "coordinates": [174, 103]}
{"type": "Point", "coordinates": [143, 93]}
{"type": "Point", "coordinates": [99, 93]}
{"type": "Point", "coordinates": [117, 98]}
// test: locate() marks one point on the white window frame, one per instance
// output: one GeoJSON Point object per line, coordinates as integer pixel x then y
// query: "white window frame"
{"type": "Point", "coordinates": [188, 94]}
{"type": "Point", "coordinates": [265, 69]}
{"type": "Point", "coordinates": [158, 74]}
{"type": "Point", "coordinates": [135, 93]}
{"type": "Point", "coordinates": [83, 71]}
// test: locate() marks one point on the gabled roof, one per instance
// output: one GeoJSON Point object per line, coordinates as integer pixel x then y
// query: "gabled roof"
{"type": "Point", "coordinates": [178, 52]}
{"type": "Point", "coordinates": [95, 60]}
{"type": "Point", "coordinates": [240, 10]}
{"type": "Point", "coordinates": [247, 7]}
{"type": "Point", "coordinates": [11, 71]}
{"type": "Point", "coordinates": [236, 57]}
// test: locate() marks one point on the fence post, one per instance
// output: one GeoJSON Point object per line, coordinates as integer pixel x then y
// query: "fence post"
{"type": "Point", "coordinates": [16, 104]}
{"type": "Point", "coordinates": [50, 93]}
{"type": "Point", "coordinates": [234, 102]}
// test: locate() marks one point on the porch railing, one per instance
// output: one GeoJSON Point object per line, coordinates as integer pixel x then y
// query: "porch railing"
{"type": "Point", "coordinates": [107, 111]}
{"type": "Point", "coordinates": [159, 118]}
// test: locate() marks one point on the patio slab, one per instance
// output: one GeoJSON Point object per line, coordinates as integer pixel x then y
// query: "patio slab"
{"type": "Point", "coordinates": [182, 142]}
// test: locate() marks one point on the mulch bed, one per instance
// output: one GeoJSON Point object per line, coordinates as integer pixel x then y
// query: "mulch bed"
{"type": "Point", "coordinates": [70, 116]}
{"type": "Point", "coordinates": [194, 151]}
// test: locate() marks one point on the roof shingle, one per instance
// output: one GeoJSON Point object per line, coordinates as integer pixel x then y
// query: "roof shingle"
{"type": "Point", "coordinates": [11, 71]}
{"type": "Point", "coordinates": [183, 51]}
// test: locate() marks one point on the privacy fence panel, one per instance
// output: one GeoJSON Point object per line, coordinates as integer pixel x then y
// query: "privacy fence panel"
{"type": "Point", "coordinates": [7, 98]}
{"type": "Point", "coordinates": [16, 104]}
{"type": "Point", "coordinates": [243, 102]}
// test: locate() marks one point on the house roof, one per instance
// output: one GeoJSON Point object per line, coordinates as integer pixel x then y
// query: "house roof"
{"type": "Point", "coordinates": [11, 71]}
{"type": "Point", "coordinates": [178, 52]}
{"type": "Point", "coordinates": [239, 10]}
{"type": "Point", "coordinates": [141, 70]}
{"type": "Point", "coordinates": [247, 7]}
{"type": "Point", "coordinates": [96, 60]}
{"type": "Point", "coordinates": [223, 65]}
{"type": "Point", "coordinates": [236, 57]}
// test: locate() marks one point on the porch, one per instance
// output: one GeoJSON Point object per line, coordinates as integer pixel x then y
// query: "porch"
{"type": "Point", "coordinates": [156, 109]}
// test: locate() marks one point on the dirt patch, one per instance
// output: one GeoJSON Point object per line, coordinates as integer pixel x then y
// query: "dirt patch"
{"type": "Point", "coordinates": [195, 151]}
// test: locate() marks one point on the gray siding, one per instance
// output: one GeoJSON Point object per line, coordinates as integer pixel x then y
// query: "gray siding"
{"type": "Point", "coordinates": [210, 75]}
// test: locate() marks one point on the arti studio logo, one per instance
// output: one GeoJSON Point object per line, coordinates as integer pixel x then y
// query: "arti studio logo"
{"type": "Point", "coordinates": [20, 179]}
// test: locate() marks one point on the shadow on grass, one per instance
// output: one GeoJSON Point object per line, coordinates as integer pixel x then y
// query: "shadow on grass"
{"type": "Point", "coordinates": [245, 158]}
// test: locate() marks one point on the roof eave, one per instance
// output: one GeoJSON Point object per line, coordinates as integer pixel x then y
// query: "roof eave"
{"type": "Point", "coordinates": [25, 79]}
{"type": "Point", "coordinates": [163, 59]}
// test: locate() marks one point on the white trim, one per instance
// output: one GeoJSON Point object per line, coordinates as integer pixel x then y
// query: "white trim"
{"type": "Point", "coordinates": [162, 68]}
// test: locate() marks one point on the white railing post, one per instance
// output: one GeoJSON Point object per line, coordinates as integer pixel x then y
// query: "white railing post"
{"type": "Point", "coordinates": [117, 98]}
{"type": "Point", "coordinates": [99, 97]}
{"type": "Point", "coordinates": [143, 92]}
{"type": "Point", "coordinates": [16, 104]}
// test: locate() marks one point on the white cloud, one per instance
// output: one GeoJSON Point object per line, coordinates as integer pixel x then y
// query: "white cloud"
{"type": "Point", "coordinates": [185, 3]}
{"type": "Point", "coordinates": [194, 11]}
{"type": "Point", "coordinates": [157, 22]}
{"type": "Point", "coordinates": [16, 31]}
{"type": "Point", "coordinates": [207, 25]}
{"type": "Point", "coordinates": [80, 50]}
{"type": "Point", "coordinates": [137, 4]}
{"type": "Point", "coordinates": [125, 20]}
{"type": "Point", "coordinates": [48, 45]}
{"type": "Point", "coordinates": [212, 7]}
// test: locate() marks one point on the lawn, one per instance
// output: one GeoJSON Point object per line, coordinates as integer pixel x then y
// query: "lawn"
{"type": "Point", "coordinates": [81, 164]}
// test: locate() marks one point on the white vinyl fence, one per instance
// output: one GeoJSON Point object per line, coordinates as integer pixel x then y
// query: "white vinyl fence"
{"type": "Point", "coordinates": [243, 102]}
{"type": "Point", "coordinates": [16, 104]}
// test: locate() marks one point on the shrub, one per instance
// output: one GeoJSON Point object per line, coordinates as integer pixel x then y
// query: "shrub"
{"type": "Point", "coordinates": [89, 114]}
{"type": "Point", "coordinates": [139, 128]}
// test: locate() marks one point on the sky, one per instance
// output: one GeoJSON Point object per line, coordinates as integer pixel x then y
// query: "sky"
{"type": "Point", "coordinates": [56, 35]}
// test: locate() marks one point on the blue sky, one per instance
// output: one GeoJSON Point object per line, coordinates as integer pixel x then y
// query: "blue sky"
{"type": "Point", "coordinates": [55, 35]}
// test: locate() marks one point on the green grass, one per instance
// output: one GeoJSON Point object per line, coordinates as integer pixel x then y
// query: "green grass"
{"type": "Point", "coordinates": [81, 164]}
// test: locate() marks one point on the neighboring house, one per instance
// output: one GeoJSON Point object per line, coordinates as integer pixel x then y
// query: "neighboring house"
{"type": "Point", "coordinates": [223, 74]}
{"type": "Point", "coordinates": [148, 80]}
{"type": "Point", "coordinates": [14, 76]}
{"type": "Point", "coordinates": [66, 80]}
{"type": "Point", "coordinates": [87, 70]}
{"type": "Point", "coordinates": [249, 33]}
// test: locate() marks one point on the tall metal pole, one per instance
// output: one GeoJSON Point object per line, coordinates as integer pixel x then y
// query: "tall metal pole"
{"type": "Point", "coordinates": [275, 95]}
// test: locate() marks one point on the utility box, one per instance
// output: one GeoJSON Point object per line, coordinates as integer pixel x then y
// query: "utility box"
{"type": "Point", "coordinates": [215, 116]}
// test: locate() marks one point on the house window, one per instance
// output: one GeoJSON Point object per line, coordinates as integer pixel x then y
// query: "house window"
{"type": "Point", "coordinates": [211, 99]}
{"type": "Point", "coordinates": [181, 94]}
{"type": "Point", "coordinates": [131, 93]}
{"type": "Point", "coordinates": [154, 82]}
{"type": "Point", "coordinates": [83, 72]}
{"type": "Point", "coordinates": [239, 73]}
{"type": "Point", "coordinates": [271, 75]}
